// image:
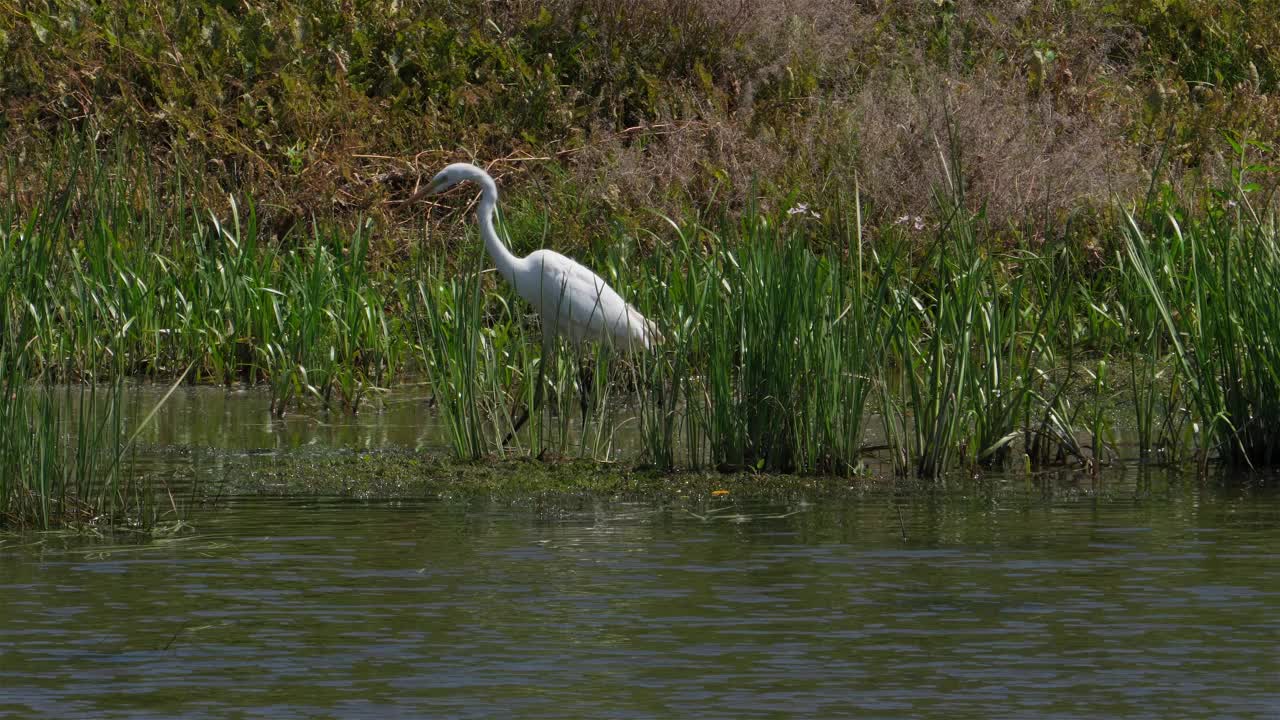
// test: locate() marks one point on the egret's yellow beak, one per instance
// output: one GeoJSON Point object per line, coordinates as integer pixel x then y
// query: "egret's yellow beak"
{"type": "Point", "coordinates": [437, 185]}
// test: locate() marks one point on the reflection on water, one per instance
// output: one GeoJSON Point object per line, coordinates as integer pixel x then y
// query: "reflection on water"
{"type": "Point", "coordinates": [1158, 602]}
{"type": "Point", "coordinates": [240, 419]}
{"type": "Point", "coordinates": [214, 418]}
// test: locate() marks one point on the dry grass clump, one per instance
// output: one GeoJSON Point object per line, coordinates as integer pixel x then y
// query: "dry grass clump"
{"type": "Point", "coordinates": [706, 164]}
{"type": "Point", "coordinates": [1019, 154]}
{"type": "Point", "coordinates": [1032, 93]}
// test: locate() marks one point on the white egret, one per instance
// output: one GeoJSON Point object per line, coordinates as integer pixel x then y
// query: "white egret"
{"type": "Point", "coordinates": [572, 301]}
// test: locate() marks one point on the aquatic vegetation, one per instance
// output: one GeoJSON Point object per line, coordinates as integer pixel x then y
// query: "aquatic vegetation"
{"type": "Point", "coordinates": [461, 359]}
{"type": "Point", "coordinates": [60, 455]}
{"type": "Point", "coordinates": [64, 449]}
{"type": "Point", "coordinates": [1213, 283]}
{"type": "Point", "coordinates": [168, 291]}
{"type": "Point", "coordinates": [793, 343]}
{"type": "Point", "coordinates": [790, 335]}
{"type": "Point", "coordinates": [771, 350]}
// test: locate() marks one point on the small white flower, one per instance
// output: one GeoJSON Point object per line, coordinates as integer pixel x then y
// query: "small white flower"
{"type": "Point", "coordinates": [803, 209]}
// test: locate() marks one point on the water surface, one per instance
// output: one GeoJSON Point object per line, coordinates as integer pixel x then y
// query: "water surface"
{"type": "Point", "coordinates": [1149, 599]}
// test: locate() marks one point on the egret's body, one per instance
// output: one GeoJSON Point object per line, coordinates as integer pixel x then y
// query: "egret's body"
{"type": "Point", "coordinates": [572, 301]}
{"type": "Point", "coordinates": [576, 303]}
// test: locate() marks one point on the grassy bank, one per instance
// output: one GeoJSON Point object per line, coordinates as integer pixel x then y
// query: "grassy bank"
{"type": "Point", "coordinates": [597, 112]}
{"type": "Point", "coordinates": [919, 222]}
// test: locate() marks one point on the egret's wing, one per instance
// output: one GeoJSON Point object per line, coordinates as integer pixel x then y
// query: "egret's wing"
{"type": "Point", "coordinates": [581, 302]}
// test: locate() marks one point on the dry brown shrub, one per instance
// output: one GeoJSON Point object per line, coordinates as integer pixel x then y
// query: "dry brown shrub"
{"type": "Point", "coordinates": [705, 164]}
{"type": "Point", "coordinates": [876, 103]}
{"type": "Point", "coordinates": [1017, 154]}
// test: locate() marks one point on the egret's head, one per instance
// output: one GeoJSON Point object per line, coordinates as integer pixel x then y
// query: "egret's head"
{"type": "Point", "coordinates": [450, 176]}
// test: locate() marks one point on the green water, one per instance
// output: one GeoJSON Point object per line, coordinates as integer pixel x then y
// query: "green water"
{"type": "Point", "coordinates": [1133, 596]}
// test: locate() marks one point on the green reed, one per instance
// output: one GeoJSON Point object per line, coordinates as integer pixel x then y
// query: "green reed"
{"type": "Point", "coordinates": [1155, 387]}
{"type": "Point", "coordinates": [1213, 283]}
{"type": "Point", "coordinates": [770, 351]}
{"type": "Point", "coordinates": [1012, 341]}
{"type": "Point", "coordinates": [304, 315]}
{"type": "Point", "coordinates": [448, 319]}
{"type": "Point", "coordinates": [781, 331]}
{"type": "Point", "coordinates": [63, 448]}
{"type": "Point", "coordinates": [932, 347]}
{"type": "Point", "coordinates": [679, 283]}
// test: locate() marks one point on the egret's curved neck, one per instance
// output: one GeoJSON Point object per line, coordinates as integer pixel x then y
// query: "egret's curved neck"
{"type": "Point", "coordinates": [502, 257]}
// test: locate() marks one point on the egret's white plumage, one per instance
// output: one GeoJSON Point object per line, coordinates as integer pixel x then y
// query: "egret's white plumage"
{"type": "Point", "coordinates": [571, 299]}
